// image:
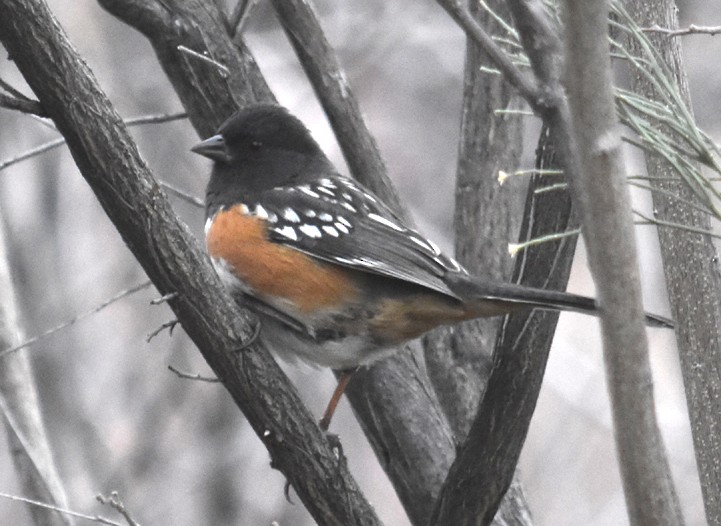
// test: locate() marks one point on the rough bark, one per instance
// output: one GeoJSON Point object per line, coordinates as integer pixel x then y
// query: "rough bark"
{"type": "Point", "coordinates": [690, 263]}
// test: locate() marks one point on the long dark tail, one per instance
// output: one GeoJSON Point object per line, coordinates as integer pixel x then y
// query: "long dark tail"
{"type": "Point", "coordinates": [489, 299]}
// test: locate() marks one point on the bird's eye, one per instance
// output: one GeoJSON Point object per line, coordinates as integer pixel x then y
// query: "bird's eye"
{"type": "Point", "coordinates": [256, 145]}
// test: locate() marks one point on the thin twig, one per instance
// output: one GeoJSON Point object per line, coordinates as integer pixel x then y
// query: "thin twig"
{"type": "Point", "coordinates": [526, 85]}
{"type": "Point", "coordinates": [114, 502]}
{"type": "Point", "coordinates": [77, 318]}
{"type": "Point", "coordinates": [25, 106]}
{"type": "Point", "coordinates": [240, 16]}
{"type": "Point", "coordinates": [690, 30]}
{"type": "Point", "coordinates": [94, 518]}
{"type": "Point", "coordinates": [671, 224]}
{"type": "Point", "coordinates": [513, 248]}
{"type": "Point", "coordinates": [177, 192]}
{"type": "Point", "coordinates": [224, 71]}
{"type": "Point", "coordinates": [170, 325]}
{"type": "Point", "coordinates": [191, 376]}
{"type": "Point", "coordinates": [45, 147]}
{"type": "Point", "coordinates": [164, 299]}
{"type": "Point", "coordinates": [134, 121]}
{"type": "Point", "coordinates": [13, 91]}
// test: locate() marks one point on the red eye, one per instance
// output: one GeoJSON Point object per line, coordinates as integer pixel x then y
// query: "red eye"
{"type": "Point", "coordinates": [256, 145]}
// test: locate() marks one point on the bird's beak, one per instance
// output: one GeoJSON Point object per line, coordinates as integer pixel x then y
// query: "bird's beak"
{"type": "Point", "coordinates": [212, 148]}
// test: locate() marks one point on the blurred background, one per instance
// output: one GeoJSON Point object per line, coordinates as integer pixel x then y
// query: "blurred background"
{"type": "Point", "coordinates": [178, 451]}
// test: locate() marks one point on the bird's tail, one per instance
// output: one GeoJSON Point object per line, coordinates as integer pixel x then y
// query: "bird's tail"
{"type": "Point", "coordinates": [484, 298]}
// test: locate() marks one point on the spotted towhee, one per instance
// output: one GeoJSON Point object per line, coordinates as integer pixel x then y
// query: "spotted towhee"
{"type": "Point", "coordinates": [334, 275]}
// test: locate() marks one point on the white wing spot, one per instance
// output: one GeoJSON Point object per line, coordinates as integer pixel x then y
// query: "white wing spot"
{"type": "Point", "coordinates": [341, 227]}
{"type": "Point", "coordinates": [260, 212]}
{"type": "Point", "coordinates": [344, 221]}
{"type": "Point", "coordinates": [330, 230]}
{"type": "Point", "coordinates": [310, 213]}
{"type": "Point", "coordinates": [311, 231]}
{"type": "Point", "coordinates": [288, 231]}
{"type": "Point", "coordinates": [307, 191]}
{"type": "Point", "coordinates": [325, 190]}
{"type": "Point", "coordinates": [290, 215]}
{"type": "Point", "coordinates": [383, 221]}
{"type": "Point", "coordinates": [325, 217]}
{"type": "Point", "coordinates": [328, 183]}
{"type": "Point", "coordinates": [244, 209]}
{"type": "Point", "coordinates": [349, 207]}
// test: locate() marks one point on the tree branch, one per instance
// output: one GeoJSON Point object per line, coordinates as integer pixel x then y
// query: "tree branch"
{"type": "Point", "coordinates": [691, 267]}
{"type": "Point", "coordinates": [25, 106]}
{"type": "Point", "coordinates": [608, 230]}
{"type": "Point", "coordinates": [108, 159]}
{"type": "Point", "coordinates": [487, 216]}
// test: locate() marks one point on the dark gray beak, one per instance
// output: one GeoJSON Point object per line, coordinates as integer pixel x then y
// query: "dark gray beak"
{"type": "Point", "coordinates": [212, 148]}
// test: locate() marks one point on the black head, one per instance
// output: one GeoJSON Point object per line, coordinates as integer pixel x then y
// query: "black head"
{"type": "Point", "coordinates": [258, 148]}
{"type": "Point", "coordinates": [257, 132]}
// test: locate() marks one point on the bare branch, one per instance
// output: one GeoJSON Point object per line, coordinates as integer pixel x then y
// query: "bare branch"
{"type": "Point", "coordinates": [240, 14]}
{"type": "Point", "coordinates": [93, 518]}
{"type": "Point", "coordinates": [608, 228]}
{"type": "Point", "coordinates": [169, 325]}
{"type": "Point", "coordinates": [13, 91]}
{"type": "Point", "coordinates": [114, 502]}
{"type": "Point", "coordinates": [134, 121]}
{"type": "Point", "coordinates": [25, 106]}
{"type": "Point", "coordinates": [192, 376]}
{"type": "Point", "coordinates": [181, 194]}
{"type": "Point", "coordinates": [79, 317]}
{"type": "Point", "coordinates": [225, 72]}
{"type": "Point", "coordinates": [690, 30]}
{"type": "Point", "coordinates": [527, 86]}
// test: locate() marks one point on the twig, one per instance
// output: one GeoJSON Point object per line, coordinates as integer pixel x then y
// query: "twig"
{"type": "Point", "coordinates": [134, 121]}
{"type": "Point", "coordinates": [191, 376]}
{"type": "Point", "coordinates": [77, 318]}
{"type": "Point", "coordinates": [690, 30]}
{"type": "Point", "coordinates": [114, 502]}
{"type": "Point", "coordinates": [25, 106]}
{"type": "Point", "coordinates": [514, 248]}
{"type": "Point", "coordinates": [94, 518]}
{"type": "Point", "coordinates": [163, 299]}
{"type": "Point", "coordinates": [32, 152]}
{"type": "Point", "coordinates": [239, 17]}
{"type": "Point", "coordinates": [177, 192]}
{"type": "Point", "coordinates": [224, 71]}
{"type": "Point", "coordinates": [526, 86]}
{"type": "Point", "coordinates": [170, 325]}
{"type": "Point", "coordinates": [13, 91]}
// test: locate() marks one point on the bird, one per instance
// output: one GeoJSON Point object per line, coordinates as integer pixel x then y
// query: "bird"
{"type": "Point", "coordinates": [334, 275]}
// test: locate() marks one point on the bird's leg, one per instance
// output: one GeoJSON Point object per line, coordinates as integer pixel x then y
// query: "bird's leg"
{"type": "Point", "coordinates": [343, 380]}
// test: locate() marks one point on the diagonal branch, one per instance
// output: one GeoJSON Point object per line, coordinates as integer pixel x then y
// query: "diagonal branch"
{"type": "Point", "coordinates": [109, 160]}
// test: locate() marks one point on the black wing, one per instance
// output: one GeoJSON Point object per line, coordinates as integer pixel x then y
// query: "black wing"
{"type": "Point", "coordinates": [335, 220]}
